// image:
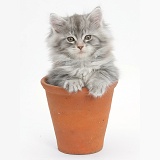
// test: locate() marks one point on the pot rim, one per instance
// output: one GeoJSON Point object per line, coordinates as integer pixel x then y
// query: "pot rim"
{"type": "Point", "coordinates": [60, 90]}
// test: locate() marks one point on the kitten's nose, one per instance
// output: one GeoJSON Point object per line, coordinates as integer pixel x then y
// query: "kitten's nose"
{"type": "Point", "coordinates": [80, 47]}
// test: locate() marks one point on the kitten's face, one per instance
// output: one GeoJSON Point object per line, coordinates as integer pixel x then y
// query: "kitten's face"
{"type": "Point", "coordinates": [80, 46]}
{"type": "Point", "coordinates": [78, 36]}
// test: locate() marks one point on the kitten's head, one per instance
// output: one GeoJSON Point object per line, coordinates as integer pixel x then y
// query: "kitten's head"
{"type": "Point", "coordinates": [78, 36]}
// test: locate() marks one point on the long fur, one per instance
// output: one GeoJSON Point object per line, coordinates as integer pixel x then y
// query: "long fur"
{"type": "Point", "coordinates": [94, 67]}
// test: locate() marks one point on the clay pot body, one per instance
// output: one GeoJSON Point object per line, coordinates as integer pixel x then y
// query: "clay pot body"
{"type": "Point", "coordinates": [79, 119]}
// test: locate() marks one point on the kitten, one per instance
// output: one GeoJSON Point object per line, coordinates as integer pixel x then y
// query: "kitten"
{"type": "Point", "coordinates": [81, 53]}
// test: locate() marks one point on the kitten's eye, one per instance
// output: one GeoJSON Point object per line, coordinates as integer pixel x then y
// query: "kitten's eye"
{"type": "Point", "coordinates": [70, 39]}
{"type": "Point", "coordinates": [87, 37]}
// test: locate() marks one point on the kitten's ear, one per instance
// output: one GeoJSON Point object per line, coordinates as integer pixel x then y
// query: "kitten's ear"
{"type": "Point", "coordinates": [57, 22]}
{"type": "Point", "coordinates": [95, 17]}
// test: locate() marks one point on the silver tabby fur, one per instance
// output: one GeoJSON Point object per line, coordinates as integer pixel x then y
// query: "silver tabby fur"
{"type": "Point", "coordinates": [91, 66]}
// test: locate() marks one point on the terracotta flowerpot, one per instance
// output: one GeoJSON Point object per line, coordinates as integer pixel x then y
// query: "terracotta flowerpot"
{"type": "Point", "coordinates": [79, 119]}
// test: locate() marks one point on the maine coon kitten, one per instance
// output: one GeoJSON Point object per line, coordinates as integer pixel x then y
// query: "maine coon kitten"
{"type": "Point", "coordinates": [81, 53]}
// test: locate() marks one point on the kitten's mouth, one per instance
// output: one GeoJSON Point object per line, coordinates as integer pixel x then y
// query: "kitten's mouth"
{"type": "Point", "coordinates": [81, 52]}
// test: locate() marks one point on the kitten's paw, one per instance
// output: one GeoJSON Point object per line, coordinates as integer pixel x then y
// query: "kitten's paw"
{"type": "Point", "coordinates": [73, 85]}
{"type": "Point", "coordinates": [97, 89]}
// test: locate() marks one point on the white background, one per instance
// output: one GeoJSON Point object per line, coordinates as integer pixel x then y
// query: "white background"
{"type": "Point", "coordinates": [36, 133]}
{"type": "Point", "coordinates": [29, 64]}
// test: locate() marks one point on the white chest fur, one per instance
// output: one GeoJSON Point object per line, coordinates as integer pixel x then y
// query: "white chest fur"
{"type": "Point", "coordinates": [84, 71]}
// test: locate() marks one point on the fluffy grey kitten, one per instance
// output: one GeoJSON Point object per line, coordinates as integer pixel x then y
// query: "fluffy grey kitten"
{"type": "Point", "coordinates": [81, 53]}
